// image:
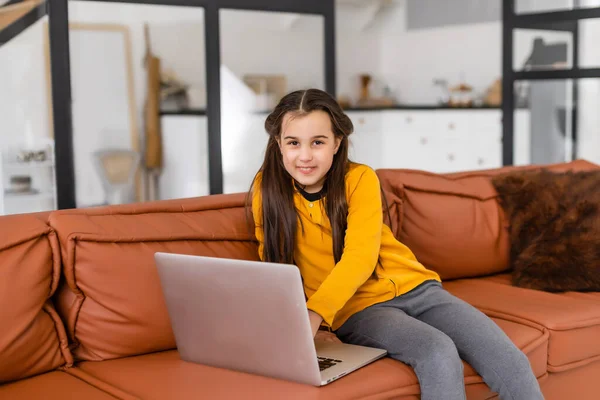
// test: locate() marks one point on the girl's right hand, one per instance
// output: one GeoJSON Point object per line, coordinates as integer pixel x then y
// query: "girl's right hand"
{"type": "Point", "coordinates": [326, 336]}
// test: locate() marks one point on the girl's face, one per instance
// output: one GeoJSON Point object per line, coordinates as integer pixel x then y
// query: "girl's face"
{"type": "Point", "coordinates": [308, 145]}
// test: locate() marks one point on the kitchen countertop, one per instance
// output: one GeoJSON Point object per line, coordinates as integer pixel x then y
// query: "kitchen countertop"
{"type": "Point", "coordinates": [190, 111]}
{"type": "Point", "coordinates": [421, 107]}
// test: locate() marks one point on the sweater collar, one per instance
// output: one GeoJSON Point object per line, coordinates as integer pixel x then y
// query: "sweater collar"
{"type": "Point", "coordinates": [311, 196]}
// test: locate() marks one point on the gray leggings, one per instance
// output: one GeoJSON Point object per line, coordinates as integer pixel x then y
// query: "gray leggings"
{"type": "Point", "coordinates": [432, 330]}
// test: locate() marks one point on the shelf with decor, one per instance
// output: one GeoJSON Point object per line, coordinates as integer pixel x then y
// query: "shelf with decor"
{"type": "Point", "coordinates": [28, 178]}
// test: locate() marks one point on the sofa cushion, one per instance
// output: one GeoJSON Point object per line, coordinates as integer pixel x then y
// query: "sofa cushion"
{"type": "Point", "coordinates": [554, 228]}
{"type": "Point", "coordinates": [572, 320]}
{"type": "Point", "coordinates": [532, 340]}
{"type": "Point", "coordinates": [577, 383]}
{"type": "Point", "coordinates": [112, 302]}
{"type": "Point", "coordinates": [164, 375]}
{"type": "Point", "coordinates": [32, 337]}
{"type": "Point", "coordinates": [453, 225]}
{"type": "Point", "coordinates": [452, 222]}
{"type": "Point", "coordinates": [56, 385]}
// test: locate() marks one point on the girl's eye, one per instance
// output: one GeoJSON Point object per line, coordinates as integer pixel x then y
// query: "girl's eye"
{"type": "Point", "coordinates": [318, 142]}
{"type": "Point", "coordinates": [293, 143]}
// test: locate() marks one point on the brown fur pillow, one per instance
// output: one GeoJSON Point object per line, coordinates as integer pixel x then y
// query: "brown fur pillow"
{"type": "Point", "coordinates": [554, 228]}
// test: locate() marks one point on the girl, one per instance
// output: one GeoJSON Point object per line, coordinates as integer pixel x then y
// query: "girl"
{"type": "Point", "coordinates": [314, 208]}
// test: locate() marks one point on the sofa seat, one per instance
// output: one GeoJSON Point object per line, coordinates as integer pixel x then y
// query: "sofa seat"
{"type": "Point", "coordinates": [505, 279]}
{"type": "Point", "coordinates": [55, 385]}
{"type": "Point", "coordinates": [164, 375]}
{"type": "Point", "coordinates": [572, 320]}
{"type": "Point", "coordinates": [576, 383]}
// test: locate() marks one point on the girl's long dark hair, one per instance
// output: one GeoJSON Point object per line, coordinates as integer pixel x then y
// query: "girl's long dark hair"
{"type": "Point", "coordinates": [279, 215]}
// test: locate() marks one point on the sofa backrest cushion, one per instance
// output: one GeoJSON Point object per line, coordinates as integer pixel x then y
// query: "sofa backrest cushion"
{"type": "Point", "coordinates": [453, 226]}
{"type": "Point", "coordinates": [112, 302]}
{"type": "Point", "coordinates": [32, 337]}
{"type": "Point", "coordinates": [453, 222]}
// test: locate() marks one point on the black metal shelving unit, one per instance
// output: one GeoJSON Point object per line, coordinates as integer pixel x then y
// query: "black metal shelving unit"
{"type": "Point", "coordinates": [567, 20]}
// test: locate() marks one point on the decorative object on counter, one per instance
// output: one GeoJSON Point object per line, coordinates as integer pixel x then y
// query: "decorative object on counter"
{"type": "Point", "coordinates": [388, 93]}
{"type": "Point", "coordinates": [382, 102]}
{"type": "Point", "coordinates": [493, 96]}
{"type": "Point", "coordinates": [461, 96]}
{"type": "Point", "coordinates": [25, 156]}
{"type": "Point", "coordinates": [443, 97]}
{"type": "Point", "coordinates": [28, 175]}
{"type": "Point", "coordinates": [19, 184]}
{"type": "Point", "coordinates": [344, 101]}
{"type": "Point", "coordinates": [268, 89]}
{"type": "Point", "coordinates": [365, 83]}
{"type": "Point", "coordinates": [173, 92]}
{"type": "Point", "coordinates": [366, 99]}
{"type": "Point", "coordinates": [117, 169]}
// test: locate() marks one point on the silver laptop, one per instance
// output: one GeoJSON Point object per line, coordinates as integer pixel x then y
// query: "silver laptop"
{"type": "Point", "coordinates": [250, 316]}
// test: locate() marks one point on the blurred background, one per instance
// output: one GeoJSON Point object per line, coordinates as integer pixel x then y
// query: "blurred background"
{"type": "Point", "coordinates": [118, 102]}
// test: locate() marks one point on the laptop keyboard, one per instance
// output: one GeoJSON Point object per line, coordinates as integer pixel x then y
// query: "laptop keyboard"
{"type": "Point", "coordinates": [325, 363]}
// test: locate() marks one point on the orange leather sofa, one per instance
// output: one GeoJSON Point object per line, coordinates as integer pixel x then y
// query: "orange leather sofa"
{"type": "Point", "coordinates": [82, 314]}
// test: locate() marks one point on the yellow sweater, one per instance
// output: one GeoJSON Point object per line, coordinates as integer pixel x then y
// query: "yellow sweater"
{"type": "Point", "coordinates": [358, 280]}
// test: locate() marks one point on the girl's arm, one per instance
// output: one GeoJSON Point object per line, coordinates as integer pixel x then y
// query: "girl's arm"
{"type": "Point", "coordinates": [257, 215]}
{"type": "Point", "coordinates": [361, 247]}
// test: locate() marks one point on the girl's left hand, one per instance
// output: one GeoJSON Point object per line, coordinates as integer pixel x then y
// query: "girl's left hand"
{"type": "Point", "coordinates": [315, 321]}
{"type": "Point", "coordinates": [326, 336]}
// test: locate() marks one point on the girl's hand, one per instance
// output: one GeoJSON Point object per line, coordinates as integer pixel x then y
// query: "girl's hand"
{"type": "Point", "coordinates": [315, 321]}
{"type": "Point", "coordinates": [326, 336]}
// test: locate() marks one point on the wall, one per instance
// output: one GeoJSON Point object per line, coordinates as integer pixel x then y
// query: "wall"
{"type": "Point", "coordinates": [358, 47]}
{"type": "Point", "coordinates": [412, 60]}
{"type": "Point", "coordinates": [160, 18]}
{"type": "Point", "coordinates": [23, 101]}
{"type": "Point", "coordinates": [408, 55]}
{"type": "Point", "coordinates": [251, 42]}
{"type": "Point", "coordinates": [436, 13]}
{"type": "Point", "coordinates": [468, 52]}
{"type": "Point", "coordinates": [274, 43]}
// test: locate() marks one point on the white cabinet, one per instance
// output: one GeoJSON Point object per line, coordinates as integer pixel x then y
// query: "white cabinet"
{"type": "Point", "coordinates": [410, 139]}
{"type": "Point", "coordinates": [436, 140]}
{"type": "Point", "coordinates": [365, 142]}
{"type": "Point", "coordinates": [443, 140]}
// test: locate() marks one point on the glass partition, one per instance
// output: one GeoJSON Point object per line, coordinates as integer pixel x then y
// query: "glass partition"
{"type": "Point", "coordinates": [27, 171]}
{"type": "Point", "coordinates": [139, 99]}
{"type": "Point", "coordinates": [264, 55]}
